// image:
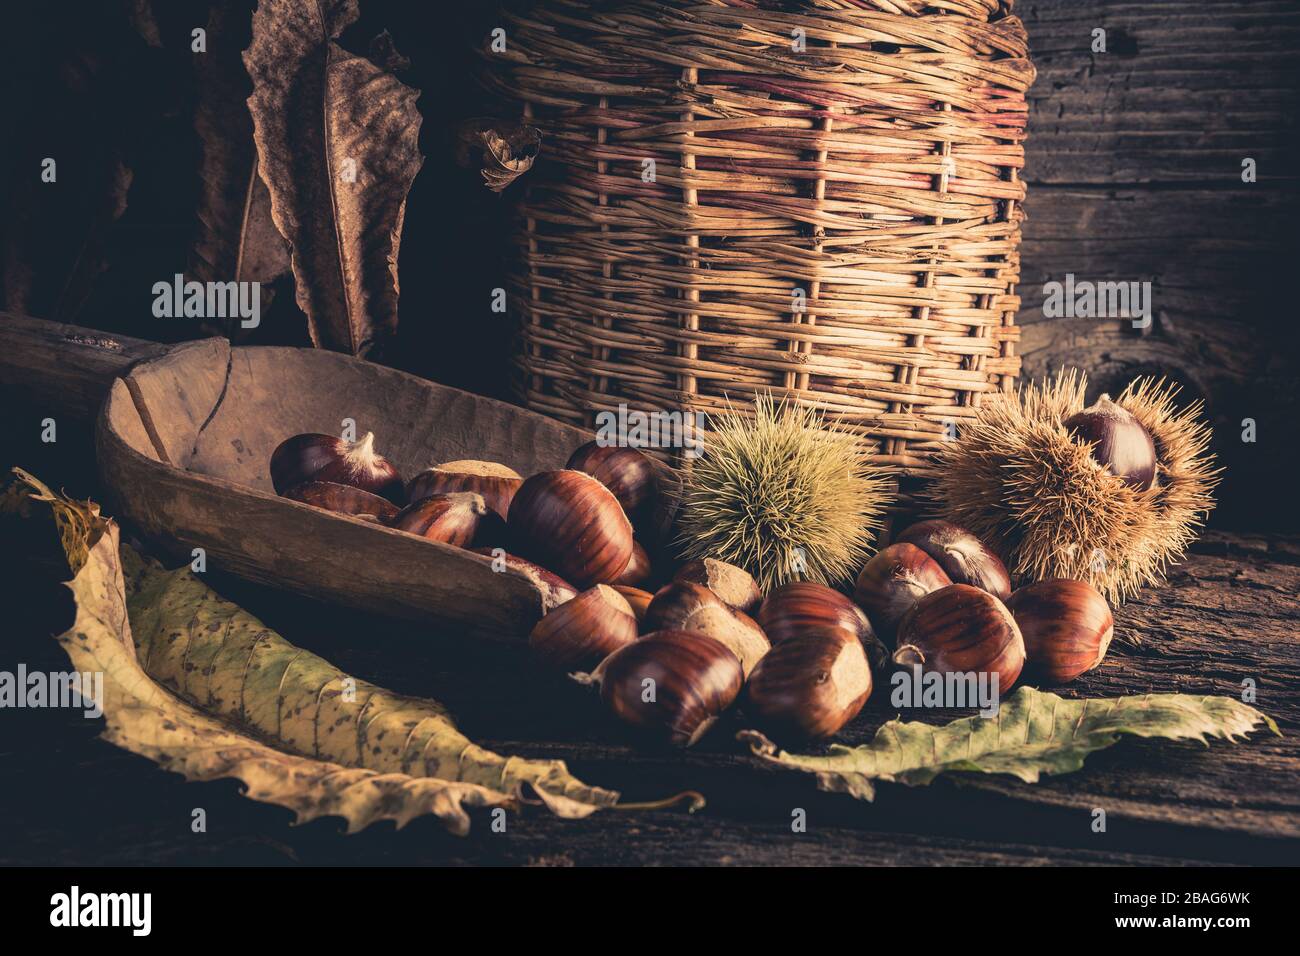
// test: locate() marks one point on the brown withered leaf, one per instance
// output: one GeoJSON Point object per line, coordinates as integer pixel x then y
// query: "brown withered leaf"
{"type": "Point", "coordinates": [236, 240]}
{"type": "Point", "coordinates": [383, 53]}
{"type": "Point", "coordinates": [337, 142]}
{"type": "Point", "coordinates": [501, 150]}
{"type": "Point", "coordinates": [202, 688]}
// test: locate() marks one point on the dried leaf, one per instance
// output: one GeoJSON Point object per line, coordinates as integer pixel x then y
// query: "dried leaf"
{"type": "Point", "coordinates": [202, 688]}
{"type": "Point", "coordinates": [383, 54]}
{"type": "Point", "coordinates": [501, 150]}
{"type": "Point", "coordinates": [236, 240]}
{"type": "Point", "coordinates": [337, 142]}
{"type": "Point", "coordinates": [1034, 733]}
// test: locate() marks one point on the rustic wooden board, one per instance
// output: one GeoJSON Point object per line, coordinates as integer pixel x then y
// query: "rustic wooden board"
{"type": "Point", "coordinates": [1186, 90]}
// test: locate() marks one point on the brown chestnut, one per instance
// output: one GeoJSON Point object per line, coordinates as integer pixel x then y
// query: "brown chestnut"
{"type": "Point", "coordinates": [1119, 442]}
{"type": "Point", "coordinates": [962, 629]}
{"type": "Point", "coordinates": [343, 499]}
{"type": "Point", "coordinates": [638, 571]}
{"type": "Point", "coordinates": [670, 685]}
{"type": "Point", "coordinates": [452, 519]}
{"type": "Point", "coordinates": [581, 633]}
{"type": "Point", "coordinates": [1067, 627]}
{"type": "Point", "coordinates": [555, 590]}
{"type": "Point", "coordinates": [496, 483]}
{"type": "Point", "coordinates": [683, 606]}
{"type": "Point", "coordinates": [892, 581]}
{"type": "Point", "coordinates": [637, 598]}
{"type": "Point", "coordinates": [809, 686]}
{"type": "Point", "coordinates": [734, 585]}
{"type": "Point", "coordinates": [313, 457]}
{"type": "Point", "coordinates": [627, 472]}
{"type": "Point", "coordinates": [963, 557]}
{"type": "Point", "coordinates": [569, 522]}
{"type": "Point", "coordinates": [805, 605]}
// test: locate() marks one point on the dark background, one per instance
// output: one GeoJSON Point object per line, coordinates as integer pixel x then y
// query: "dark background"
{"type": "Point", "coordinates": [1134, 167]}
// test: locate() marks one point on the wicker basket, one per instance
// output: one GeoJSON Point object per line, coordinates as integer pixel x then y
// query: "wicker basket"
{"type": "Point", "coordinates": [874, 173]}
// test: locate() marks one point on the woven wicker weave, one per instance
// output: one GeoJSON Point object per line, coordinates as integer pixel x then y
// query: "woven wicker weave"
{"type": "Point", "coordinates": [875, 172]}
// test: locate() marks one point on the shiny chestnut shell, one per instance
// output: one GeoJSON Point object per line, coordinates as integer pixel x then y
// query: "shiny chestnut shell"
{"type": "Point", "coordinates": [1067, 628]}
{"type": "Point", "coordinates": [892, 581]}
{"type": "Point", "coordinates": [962, 629]}
{"type": "Point", "coordinates": [555, 590]}
{"type": "Point", "coordinates": [581, 633]}
{"type": "Point", "coordinates": [734, 585]}
{"type": "Point", "coordinates": [451, 519]}
{"type": "Point", "coordinates": [343, 499]}
{"type": "Point", "coordinates": [316, 457]}
{"type": "Point", "coordinates": [638, 572]}
{"type": "Point", "coordinates": [496, 483]}
{"type": "Point", "coordinates": [1120, 443]}
{"type": "Point", "coordinates": [961, 555]}
{"type": "Point", "coordinates": [637, 598]}
{"type": "Point", "coordinates": [694, 679]}
{"type": "Point", "coordinates": [683, 606]}
{"type": "Point", "coordinates": [808, 687]}
{"type": "Point", "coordinates": [569, 522]}
{"type": "Point", "coordinates": [627, 472]}
{"type": "Point", "coordinates": [801, 606]}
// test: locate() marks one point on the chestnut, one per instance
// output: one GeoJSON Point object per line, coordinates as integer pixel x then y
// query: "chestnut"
{"type": "Point", "coordinates": [637, 598]}
{"type": "Point", "coordinates": [670, 686]}
{"type": "Point", "coordinates": [961, 555]}
{"type": "Point", "coordinates": [314, 457]}
{"type": "Point", "coordinates": [555, 590]}
{"type": "Point", "coordinates": [638, 571]}
{"type": "Point", "coordinates": [734, 585]}
{"type": "Point", "coordinates": [799, 606]}
{"type": "Point", "coordinates": [892, 581]}
{"type": "Point", "coordinates": [343, 499]}
{"type": "Point", "coordinates": [627, 472]}
{"type": "Point", "coordinates": [809, 686]}
{"type": "Point", "coordinates": [962, 629]}
{"type": "Point", "coordinates": [683, 606]}
{"type": "Point", "coordinates": [452, 519]}
{"type": "Point", "coordinates": [496, 483]}
{"type": "Point", "coordinates": [1067, 627]}
{"type": "Point", "coordinates": [581, 633]}
{"type": "Point", "coordinates": [569, 522]}
{"type": "Point", "coordinates": [1120, 443]}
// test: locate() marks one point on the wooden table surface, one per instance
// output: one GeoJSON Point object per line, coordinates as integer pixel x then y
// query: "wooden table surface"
{"type": "Point", "coordinates": [1228, 614]}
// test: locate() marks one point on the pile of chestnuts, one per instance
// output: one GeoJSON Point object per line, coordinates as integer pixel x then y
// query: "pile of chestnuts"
{"type": "Point", "coordinates": [669, 662]}
{"type": "Point", "coordinates": [568, 530]}
{"type": "Point", "coordinates": [945, 601]}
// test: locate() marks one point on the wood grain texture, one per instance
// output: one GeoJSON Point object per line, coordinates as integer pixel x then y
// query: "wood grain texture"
{"type": "Point", "coordinates": [1186, 90]}
{"type": "Point", "coordinates": [65, 369]}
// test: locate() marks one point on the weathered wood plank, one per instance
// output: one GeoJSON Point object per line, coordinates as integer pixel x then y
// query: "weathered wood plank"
{"type": "Point", "coordinates": [66, 369]}
{"type": "Point", "coordinates": [1186, 91]}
